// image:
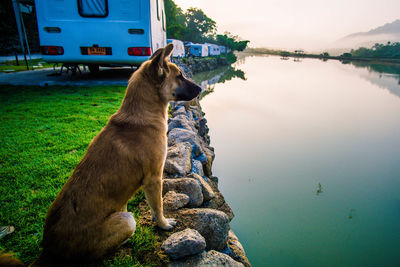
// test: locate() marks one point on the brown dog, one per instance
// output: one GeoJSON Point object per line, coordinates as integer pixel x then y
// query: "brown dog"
{"type": "Point", "coordinates": [88, 219]}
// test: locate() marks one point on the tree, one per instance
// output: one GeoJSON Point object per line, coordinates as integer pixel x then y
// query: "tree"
{"type": "Point", "coordinates": [195, 26]}
{"type": "Point", "coordinates": [390, 50]}
{"type": "Point", "coordinates": [9, 39]}
{"type": "Point", "coordinates": [199, 26]}
{"type": "Point", "coordinates": [231, 41]}
{"type": "Point", "coordinates": [176, 28]}
{"type": "Point", "coordinates": [346, 55]}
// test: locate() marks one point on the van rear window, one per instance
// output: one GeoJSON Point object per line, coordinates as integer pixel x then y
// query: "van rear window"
{"type": "Point", "coordinates": [93, 8]}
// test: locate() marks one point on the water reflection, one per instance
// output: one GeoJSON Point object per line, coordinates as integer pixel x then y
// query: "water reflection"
{"type": "Point", "coordinates": [307, 156]}
{"type": "Point", "coordinates": [207, 80]}
{"type": "Point", "coordinates": [387, 68]}
{"type": "Point", "coordinates": [384, 75]}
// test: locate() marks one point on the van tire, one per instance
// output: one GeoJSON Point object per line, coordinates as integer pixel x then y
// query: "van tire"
{"type": "Point", "coordinates": [94, 68]}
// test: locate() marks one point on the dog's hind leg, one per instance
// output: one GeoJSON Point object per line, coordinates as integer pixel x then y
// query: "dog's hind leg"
{"type": "Point", "coordinates": [152, 187]}
{"type": "Point", "coordinates": [116, 230]}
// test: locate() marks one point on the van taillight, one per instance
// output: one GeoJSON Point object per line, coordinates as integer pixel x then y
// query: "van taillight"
{"type": "Point", "coordinates": [52, 50]}
{"type": "Point", "coordinates": [139, 51]}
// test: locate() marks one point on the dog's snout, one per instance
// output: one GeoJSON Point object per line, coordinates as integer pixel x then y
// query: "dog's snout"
{"type": "Point", "coordinates": [187, 91]}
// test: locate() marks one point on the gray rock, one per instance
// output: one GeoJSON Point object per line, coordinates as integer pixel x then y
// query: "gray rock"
{"type": "Point", "coordinates": [202, 126]}
{"type": "Point", "coordinates": [236, 250]}
{"type": "Point", "coordinates": [178, 161]}
{"type": "Point", "coordinates": [218, 202]}
{"type": "Point", "coordinates": [196, 111]}
{"type": "Point", "coordinates": [180, 110]}
{"type": "Point", "coordinates": [187, 186]}
{"type": "Point", "coordinates": [234, 239]}
{"type": "Point", "coordinates": [174, 201]}
{"type": "Point", "coordinates": [197, 167]}
{"type": "Point", "coordinates": [181, 121]}
{"type": "Point", "coordinates": [214, 179]}
{"type": "Point", "coordinates": [210, 258]}
{"type": "Point", "coordinates": [178, 135]}
{"type": "Point", "coordinates": [207, 166]}
{"type": "Point", "coordinates": [212, 224]}
{"type": "Point", "coordinates": [208, 193]}
{"type": "Point", "coordinates": [185, 243]}
{"type": "Point", "coordinates": [189, 115]}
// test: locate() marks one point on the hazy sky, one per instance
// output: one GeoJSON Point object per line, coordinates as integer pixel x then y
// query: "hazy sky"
{"type": "Point", "coordinates": [307, 24]}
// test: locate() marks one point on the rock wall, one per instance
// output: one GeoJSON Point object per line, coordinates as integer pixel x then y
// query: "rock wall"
{"type": "Point", "coordinates": [195, 64]}
{"type": "Point", "coordinates": [202, 235]}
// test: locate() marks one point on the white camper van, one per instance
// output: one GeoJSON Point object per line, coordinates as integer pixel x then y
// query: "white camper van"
{"type": "Point", "coordinates": [213, 50]}
{"type": "Point", "coordinates": [198, 50]}
{"type": "Point", "coordinates": [179, 48]}
{"type": "Point", "coordinates": [100, 32]}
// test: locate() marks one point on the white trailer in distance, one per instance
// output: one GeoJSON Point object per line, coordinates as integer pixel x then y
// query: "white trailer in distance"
{"type": "Point", "coordinates": [179, 48]}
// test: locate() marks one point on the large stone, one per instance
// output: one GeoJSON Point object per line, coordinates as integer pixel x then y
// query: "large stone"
{"type": "Point", "coordinates": [181, 121]}
{"type": "Point", "coordinates": [212, 224]}
{"type": "Point", "coordinates": [218, 202]}
{"type": "Point", "coordinates": [174, 201]}
{"type": "Point", "coordinates": [184, 243]}
{"type": "Point", "coordinates": [197, 167]}
{"type": "Point", "coordinates": [178, 162]}
{"type": "Point", "coordinates": [208, 193]}
{"type": "Point", "coordinates": [180, 110]}
{"type": "Point", "coordinates": [189, 116]}
{"type": "Point", "coordinates": [236, 250]}
{"type": "Point", "coordinates": [207, 167]}
{"type": "Point", "coordinates": [178, 135]}
{"type": "Point", "coordinates": [201, 125]}
{"type": "Point", "coordinates": [187, 186]}
{"type": "Point", "coordinates": [210, 258]}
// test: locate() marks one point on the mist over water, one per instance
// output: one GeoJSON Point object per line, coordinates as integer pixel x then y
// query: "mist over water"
{"type": "Point", "coordinates": [308, 156]}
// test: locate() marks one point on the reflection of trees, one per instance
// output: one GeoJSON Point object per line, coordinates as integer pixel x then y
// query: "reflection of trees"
{"type": "Point", "coordinates": [231, 73]}
{"type": "Point", "coordinates": [384, 75]}
{"type": "Point", "coordinates": [207, 80]}
{"type": "Point", "coordinates": [379, 67]}
{"type": "Point", "coordinates": [219, 75]}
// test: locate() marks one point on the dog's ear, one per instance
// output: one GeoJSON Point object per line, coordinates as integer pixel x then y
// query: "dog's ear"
{"type": "Point", "coordinates": [157, 53]}
{"type": "Point", "coordinates": [168, 50]}
{"type": "Point", "coordinates": [159, 60]}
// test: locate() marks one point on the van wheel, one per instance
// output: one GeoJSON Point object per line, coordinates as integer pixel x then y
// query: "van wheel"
{"type": "Point", "coordinates": [93, 68]}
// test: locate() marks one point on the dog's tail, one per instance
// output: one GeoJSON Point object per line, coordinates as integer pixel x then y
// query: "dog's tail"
{"type": "Point", "coordinates": [9, 260]}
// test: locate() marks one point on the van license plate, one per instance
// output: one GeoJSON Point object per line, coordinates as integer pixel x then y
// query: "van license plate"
{"type": "Point", "coordinates": [97, 51]}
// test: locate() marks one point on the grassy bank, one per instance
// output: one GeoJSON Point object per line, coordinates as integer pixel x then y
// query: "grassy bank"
{"type": "Point", "coordinates": [44, 133]}
{"type": "Point", "coordinates": [11, 66]}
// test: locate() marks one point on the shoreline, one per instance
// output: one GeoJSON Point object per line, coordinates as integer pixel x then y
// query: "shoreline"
{"type": "Point", "coordinates": [340, 58]}
{"type": "Point", "coordinates": [190, 191]}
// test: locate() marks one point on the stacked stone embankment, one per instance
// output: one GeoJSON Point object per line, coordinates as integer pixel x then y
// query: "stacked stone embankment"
{"type": "Point", "coordinates": [202, 236]}
{"type": "Point", "coordinates": [196, 65]}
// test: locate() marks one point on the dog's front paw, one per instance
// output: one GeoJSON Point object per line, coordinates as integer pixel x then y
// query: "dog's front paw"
{"type": "Point", "coordinates": [167, 224]}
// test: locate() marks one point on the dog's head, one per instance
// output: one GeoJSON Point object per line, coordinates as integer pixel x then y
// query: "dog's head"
{"type": "Point", "coordinates": [172, 83]}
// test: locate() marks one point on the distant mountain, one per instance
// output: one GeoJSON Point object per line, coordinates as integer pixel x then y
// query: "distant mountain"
{"type": "Point", "coordinates": [383, 34]}
{"type": "Point", "coordinates": [388, 28]}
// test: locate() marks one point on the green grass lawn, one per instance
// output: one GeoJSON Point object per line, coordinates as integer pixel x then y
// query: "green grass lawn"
{"type": "Point", "coordinates": [44, 132]}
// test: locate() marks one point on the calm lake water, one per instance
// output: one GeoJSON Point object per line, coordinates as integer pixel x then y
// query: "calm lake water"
{"type": "Point", "coordinates": [308, 157]}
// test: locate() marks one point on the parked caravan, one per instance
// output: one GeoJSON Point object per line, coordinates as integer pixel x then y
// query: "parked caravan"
{"type": "Point", "coordinates": [222, 49]}
{"type": "Point", "coordinates": [179, 48]}
{"type": "Point", "coordinates": [198, 50]}
{"type": "Point", "coordinates": [213, 50]}
{"type": "Point", "coordinates": [100, 32]}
